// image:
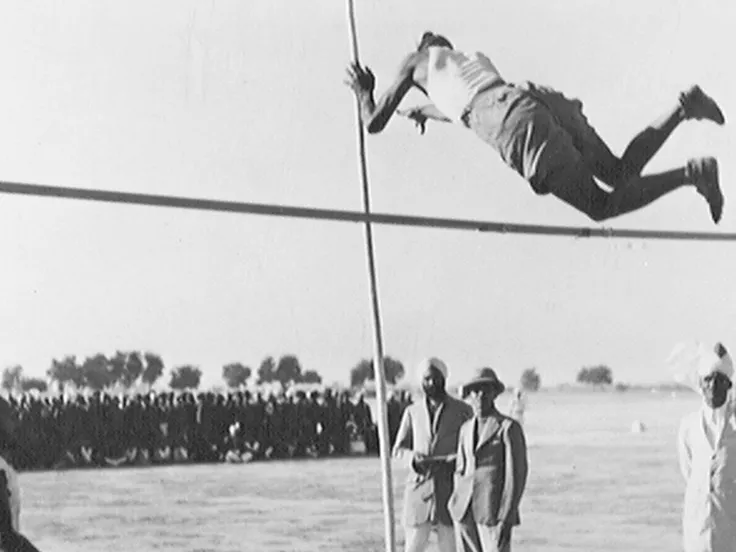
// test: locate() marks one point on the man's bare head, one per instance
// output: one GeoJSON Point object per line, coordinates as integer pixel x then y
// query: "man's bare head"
{"type": "Point", "coordinates": [431, 39]}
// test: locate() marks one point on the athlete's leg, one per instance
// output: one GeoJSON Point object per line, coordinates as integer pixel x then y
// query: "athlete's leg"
{"type": "Point", "coordinates": [568, 114]}
{"type": "Point", "coordinates": [693, 104]}
{"type": "Point", "coordinates": [533, 142]}
{"type": "Point", "coordinates": [614, 171]}
{"type": "Point", "coordinates": [641, 191]}
{"type": "Point", "coordinates": [577, 187]}
{"type": "Point", "coordinates": [570, 173]}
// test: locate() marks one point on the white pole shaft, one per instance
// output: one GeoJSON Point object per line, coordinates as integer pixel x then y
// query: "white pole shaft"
{"type": "Point", "coordinates": [383, 435]}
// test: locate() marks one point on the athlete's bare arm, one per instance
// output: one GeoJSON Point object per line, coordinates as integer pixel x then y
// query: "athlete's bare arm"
{"type": "Point", "coordinates": [429, 111]}
{"type": "Point", "coordinates": [376, 115]}
{"type": "Point", "coordinates": [421, 114]}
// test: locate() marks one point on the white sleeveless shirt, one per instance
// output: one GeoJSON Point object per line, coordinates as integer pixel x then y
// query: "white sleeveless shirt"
{"type": "Point", "coordinates": [455, 78]}
{"type": "Point", "coordinates": [13, 491]}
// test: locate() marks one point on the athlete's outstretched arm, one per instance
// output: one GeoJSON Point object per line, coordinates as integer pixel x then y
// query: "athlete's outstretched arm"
{"type": "Point", "coordinates": [428, 111]}
{"type": "Point", "coordinates": [376, 115]}
{"type": "Point", "coordinates": [421, 114]}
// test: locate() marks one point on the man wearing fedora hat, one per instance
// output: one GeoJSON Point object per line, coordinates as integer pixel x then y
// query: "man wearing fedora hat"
{"type": "Point", "coordinates": [428, 432]}
{"type": "Point", "coordinates": [707, 455]}
{"type": "Point", "coordinates": [491, 470]}
{"type": "Point", "coordinates": [11, 540]}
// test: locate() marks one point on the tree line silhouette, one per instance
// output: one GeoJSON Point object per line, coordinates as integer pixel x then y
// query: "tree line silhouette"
{"type": "Point", "coordinates": [130, 368]}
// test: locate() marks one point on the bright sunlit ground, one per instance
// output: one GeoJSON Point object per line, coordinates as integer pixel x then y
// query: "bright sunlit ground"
{"type": "Point", "coordinates": [594, 485]}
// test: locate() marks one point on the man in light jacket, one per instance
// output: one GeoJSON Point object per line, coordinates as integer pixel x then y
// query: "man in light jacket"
{"type": "Point", "coordinates": [707, 455]}
{"type": "Point", "coordinates": [429, 433]}
{"type": "Point", "coordinates": [491, 471]}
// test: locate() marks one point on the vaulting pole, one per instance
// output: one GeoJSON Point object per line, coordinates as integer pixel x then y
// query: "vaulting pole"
{"type": "Point", "coordinates": [383, 435]}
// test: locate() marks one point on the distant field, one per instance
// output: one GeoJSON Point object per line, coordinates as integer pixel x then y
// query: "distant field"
{"type": "Point", "coordinates": [594, 486]}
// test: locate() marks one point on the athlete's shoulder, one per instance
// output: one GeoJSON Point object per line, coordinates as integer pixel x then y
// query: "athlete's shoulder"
{"type": "Point", "coordinates": [413, 66]}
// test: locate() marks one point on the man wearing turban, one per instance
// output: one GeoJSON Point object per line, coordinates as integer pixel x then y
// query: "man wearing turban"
{"type": "Point", "coordinates": [429, 432]}
{"type": "Point", "coordinates": [707, 454]}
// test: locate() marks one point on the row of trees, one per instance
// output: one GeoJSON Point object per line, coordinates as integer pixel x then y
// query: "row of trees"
{"type": "Point", "coordinates": [13, 378]}
{"type": "Point", "coordinates": [127, 369]}
{"type": "Point", "coordinates": [289, 370]}
{"type": "Point", "coordinates": [588, 375]}
{"type": "Point", "coordinates": [530, 378]}
{"type": "Point", "coordinates": [123, 368]}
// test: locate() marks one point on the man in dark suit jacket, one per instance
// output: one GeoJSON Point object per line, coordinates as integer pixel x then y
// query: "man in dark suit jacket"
{"type": "Point", "coordinates": [491, 471]}
{"type": "Point", "coordinates": [11, 540]}
{"type": "Point", "coordinates": [429, 432]}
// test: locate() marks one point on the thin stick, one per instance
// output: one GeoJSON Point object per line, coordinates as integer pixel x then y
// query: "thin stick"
{"type": "Point", "coordinates": [289, 211]}
{"type": "Point", "coordinates": [382, 405]}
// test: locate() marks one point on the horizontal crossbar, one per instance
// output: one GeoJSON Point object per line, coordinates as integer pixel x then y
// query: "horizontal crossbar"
{"type": "Point", "coordinates": [350, 216]}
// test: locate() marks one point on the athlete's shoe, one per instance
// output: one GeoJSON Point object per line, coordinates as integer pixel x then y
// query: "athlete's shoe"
{"type": "Point", "coordinates": [703, 174]}
{"type": "Point", "coordinates": [698, 105]}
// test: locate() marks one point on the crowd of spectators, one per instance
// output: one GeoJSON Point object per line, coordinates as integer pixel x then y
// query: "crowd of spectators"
{"type": "Point", "coordinates": [62, 432]}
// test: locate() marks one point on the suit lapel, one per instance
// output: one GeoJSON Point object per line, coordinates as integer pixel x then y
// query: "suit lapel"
{"type": "Point", "coordinates": [437, 416]}
{"type": "Point", "coordinates": [486, 431]}
{"type": "Point", "coordinates": [509, 482]}
{"type": "Point", "coordinates": [470, 431]}
{"type": "Point", "coordinates": [423, 422]}
{"type": "Point", "coordinates": [432, 424]}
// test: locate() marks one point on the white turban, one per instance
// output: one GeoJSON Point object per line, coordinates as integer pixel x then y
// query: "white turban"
{"type": "Point", "coordinates": [425, 364]}
{"type": "Point", "coordinates": [710, 363]}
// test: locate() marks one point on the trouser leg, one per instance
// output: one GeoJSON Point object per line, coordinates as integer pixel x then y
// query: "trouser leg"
{"type": "Point", "coordinates": [417, 537]}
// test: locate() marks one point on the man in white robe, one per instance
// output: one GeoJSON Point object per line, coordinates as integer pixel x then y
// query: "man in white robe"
{"type": "Point", "coordinates": [707, 455]}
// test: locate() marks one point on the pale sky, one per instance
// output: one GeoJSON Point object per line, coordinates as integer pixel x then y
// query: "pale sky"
{"type": "Point", "coordinates": [243, 100]}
